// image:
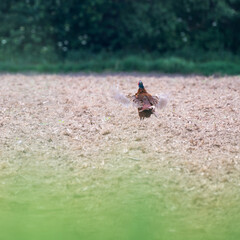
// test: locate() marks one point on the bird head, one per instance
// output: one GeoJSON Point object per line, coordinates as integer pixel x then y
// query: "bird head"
{"type": "Point", "coordinates": [140, 85]}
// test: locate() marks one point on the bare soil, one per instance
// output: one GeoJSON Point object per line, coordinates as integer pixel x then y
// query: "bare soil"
{"type": "Point", "coordinates": [73, 119]}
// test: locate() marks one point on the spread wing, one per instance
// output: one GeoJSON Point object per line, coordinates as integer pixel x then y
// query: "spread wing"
{"type": "Point", "coordinates": [160, 101]}
{"type": "Point", "coordinates": [123, 99]}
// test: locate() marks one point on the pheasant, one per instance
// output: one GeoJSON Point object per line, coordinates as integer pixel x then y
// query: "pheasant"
{"type": "Point", "coordinates": [145, 102]}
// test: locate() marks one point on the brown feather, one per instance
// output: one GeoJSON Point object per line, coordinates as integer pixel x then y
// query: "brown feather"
{"type": "Point", "coordinates": [146, 103]}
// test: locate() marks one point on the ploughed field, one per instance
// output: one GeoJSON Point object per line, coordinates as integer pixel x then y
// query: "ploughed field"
{"type": "Point", "coordinates": [75, 164]}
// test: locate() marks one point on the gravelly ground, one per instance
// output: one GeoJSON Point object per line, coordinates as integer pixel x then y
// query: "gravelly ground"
{"type": "Point", "coordinates": [74, 117]}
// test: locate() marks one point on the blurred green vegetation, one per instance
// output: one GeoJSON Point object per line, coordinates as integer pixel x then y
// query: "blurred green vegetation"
{"type": "Point", "coordinates": [40, 199]}
{"type": "Point", "coordinates": [127, 63]}
{"type": "Point", "coordinates": [184, 36]}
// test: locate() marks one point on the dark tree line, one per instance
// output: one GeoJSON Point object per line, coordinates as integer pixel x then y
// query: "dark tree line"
{"type": "Point", "coordinates": [159, 26]}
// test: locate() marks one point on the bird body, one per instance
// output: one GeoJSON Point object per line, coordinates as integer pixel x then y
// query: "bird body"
{"type": "Point", "coordinates": [144, 101]}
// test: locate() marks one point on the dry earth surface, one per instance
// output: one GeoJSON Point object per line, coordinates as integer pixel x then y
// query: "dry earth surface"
{"type": "Point", "coordinates": [71, 122]}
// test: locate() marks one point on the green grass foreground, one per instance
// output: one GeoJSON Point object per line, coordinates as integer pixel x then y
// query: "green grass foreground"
{"type": "Point", "coordinates": [132, 63]}
{"type": "Point", "coordinates": [39, 200]}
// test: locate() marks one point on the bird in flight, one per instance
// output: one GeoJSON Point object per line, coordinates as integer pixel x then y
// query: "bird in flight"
{"type": "Point", "coordinates": [144, 101]}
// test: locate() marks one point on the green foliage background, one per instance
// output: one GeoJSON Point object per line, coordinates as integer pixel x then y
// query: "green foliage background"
{"type": "Point", "coordinates": [74, 29]}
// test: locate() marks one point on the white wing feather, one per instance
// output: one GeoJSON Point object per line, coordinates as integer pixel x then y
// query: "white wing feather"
{"type": "Point", "coordinates": [162, 100]}
{"type": "Point", "coordinates": [121, 98]}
